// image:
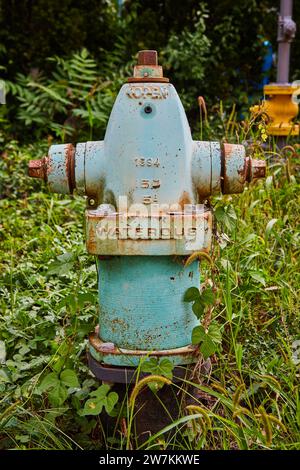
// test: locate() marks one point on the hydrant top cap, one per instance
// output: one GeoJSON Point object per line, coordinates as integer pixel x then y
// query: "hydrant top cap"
{"type": "Point", "coordinates": [147, 58]}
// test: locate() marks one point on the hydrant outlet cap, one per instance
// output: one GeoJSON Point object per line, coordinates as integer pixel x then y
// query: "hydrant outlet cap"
{"type": "Point", "coordinates": [258, 169]}
{"type": "Point", "coordinates": [37, 168]}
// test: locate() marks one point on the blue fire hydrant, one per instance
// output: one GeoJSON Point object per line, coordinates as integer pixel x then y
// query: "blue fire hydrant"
{"type": "Point", "coordinates": [146, 184]}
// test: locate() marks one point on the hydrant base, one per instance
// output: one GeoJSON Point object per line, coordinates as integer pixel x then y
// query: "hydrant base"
{"type": "Point", "coordinates": [127, 375]}
{"type": "Point", "coordinates": [108, 353]}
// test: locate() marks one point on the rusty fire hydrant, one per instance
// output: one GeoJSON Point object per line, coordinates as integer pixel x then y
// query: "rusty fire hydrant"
{"type": "Point", "coordinates": [147, 185]}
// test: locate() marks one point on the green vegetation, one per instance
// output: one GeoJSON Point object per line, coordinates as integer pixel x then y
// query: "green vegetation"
{"type": "Point", "coordinates": [207, 49]}
{"type": "Point", "coordinates": [61, 86]}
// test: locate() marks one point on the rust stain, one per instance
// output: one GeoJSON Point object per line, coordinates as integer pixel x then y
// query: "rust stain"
{"type": "Point", "coordinates": [148, 57]}
{"type": "Point", "coordinates": [70, 166]}
{"type": "Point", "coordinates": [38, 168]}
{"type": "Point", "coordinates": [119, 242]}
{"type": "Point", "coordinates": [91, 242]}
{"type": "Point", "coordinates": [226, 150]}
{"type": "Point", "coordinates": [245, 172]}
{"type": "Point", "coordinates": [148, 79]}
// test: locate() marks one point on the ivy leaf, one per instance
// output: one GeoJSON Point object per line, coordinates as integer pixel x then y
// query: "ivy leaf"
{"type": "Point", "coordinates": [207, 296]}
{"type": "Point", "coordinates": [50, 381]}
{"type": "Point", "coordinates": [150, 365]}
{"type": "Point", "coordinates": [162, 367]}
{"type": "Point", "coordinates": [85, 297]}
{"type": "Point", "coordinates": [100, 398]}
{"type": "Point", "coordinates": [191, 294]}
{"type": "Point", "coordinates": [92, 406]}
{"type": "Point", "coordinates": [69, 378]}
{"type": "Point", "coordinates": [208, 347]}
{"type": "Point", "coordinates": [214, 332]}
{"type": "Point", "coordinates": [208, 340]}
{"type": "Point", "coordinates": [198, 308]}
{"type": "Point", "coordinates": [166, 368]}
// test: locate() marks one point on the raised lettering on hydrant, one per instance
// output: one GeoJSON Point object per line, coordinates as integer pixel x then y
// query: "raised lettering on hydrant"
{"type": "Point", "coordinates": [146, 184]}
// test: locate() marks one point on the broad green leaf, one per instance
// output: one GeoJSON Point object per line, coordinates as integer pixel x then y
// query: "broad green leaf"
{"type": "Point", "coordinates": [191, 294]}
{"type": "Point", "coordinates": [207, 296]}
{"type": "Point", "coordinates": [198, 308]}
{"type": "Point", "coordinates": [110, 401]}
{"type": "Point", "coordinates": [92, 406]}
{"type": "Point", "coordinates": [50, 381]}
{"type": "Point", "coordinates": [227, 216]}
{"type": "Point", "coordinates": [226, 265]}
{"type": "Point", "coordinates": [69, 300]}
{"type": "Point", "coordinates": [85, 298]}
{"type": "Point", "coordinates": [166, 368]}
{"type": "Point", "coordinates": [101, 391]}
{"type": "Point", "coordinates": [4, 378]}
{"type": "Point", "coordinates": [198, 334]}
{"type": "Point", "coordinates": [58, 395]}
{"type": "Point", "coordinates": [214, 332]}
{"type": "Point", "coordinates": [150, 365]}
{"type": "Point", "coordinates": [258, 277]}
{"type": "Point", "coordinates": [231, 212]}
{"type": "Point", "coordinates": [69, 378]}
{"type": "Point", "coordinates": [162, 367]}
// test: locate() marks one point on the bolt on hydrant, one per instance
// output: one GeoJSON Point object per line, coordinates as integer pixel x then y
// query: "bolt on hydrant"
{"type": "Point", "coordinates": [146, 184]}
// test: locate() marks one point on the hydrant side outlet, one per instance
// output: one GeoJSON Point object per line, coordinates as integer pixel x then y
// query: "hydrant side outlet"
{"type": "Point", "coordinates": [146, 184]}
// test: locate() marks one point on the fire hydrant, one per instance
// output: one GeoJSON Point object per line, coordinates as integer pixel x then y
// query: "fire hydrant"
{"type": "Point", "coordinates": [147, 185]}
